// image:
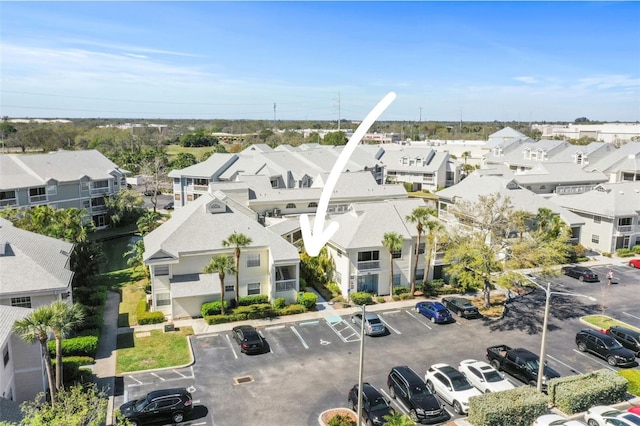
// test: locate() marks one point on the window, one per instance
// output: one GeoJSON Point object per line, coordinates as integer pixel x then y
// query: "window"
{"type": "Point", "coordinates": [285, 285]}
{"type": "Point", "coordinates": [229, 288]}
{"type": "Point", "coordinates": [161, 270]}
{"type": "Point", "coordinates": [396, 279]}
{"type": "Point", "coordinates": [5, 355]}
{"type": "Point", "coordinates": [253, 288]}
{"type": "Point", "coordinates": [34, 192]}
{"type": "Point", "coordinates": [338, 277]}
{"type": "Point", "coordinates": [595, 238]}
{"type": "Point", "coordinates": [397, 254]}
{"type": "Point", "coordinates": [177, 197]}
{"type": "Point", "coordinates": [163, 299]}
{"type": "Point", "coordinates": [597, 219]}
{"type": "Point", "coordinates": [253, 260]}
{"type": "Point", "coordinates": [543, 187]}
{"type": "Point", "coordinates": [625, 221]}
{"type": "Point", "coordinates": [8, 198]}
{"type": "Point", "coordinates": [421, 248]}
{"type": "Point", "coordinates": [420, 274]}
{"type": "Point", "coordinates": [21, 302]}
{"type": "Point", "coordinates": [290, 206]}
{"type": "Point", "coordinates": [52, 189]}
{"type": "Point", "coordinates": [312, 204]}
{"type": "Point", "coordinates": [101, 184]}
{"type": "Point", "coordinates": [364, 256]}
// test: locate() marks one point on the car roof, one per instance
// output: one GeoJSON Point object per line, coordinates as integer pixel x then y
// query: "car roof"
{"type": "Point", "coordinates": [597, 334]}
{"type": "Point", "coordinates": [446, 369]}
{"type": "Point", "coordinates": [483, 365]}
{"type": "Point", "coordinates": [410, 375]}
{"type": "Point", "coordinates": [165, 392]}
{"type": "Point", "coordinates": [370, 391]}
{"type": "Point", "coordinates": [524, 353]}
{"type": "Point", "coordinates": [625, 330]}
{"type": "Point", "coordinates": [371, 315]}
{"type": "Point", "coordinates": [458, 299]}
{"type": "Point", "coordinates": [436, 305]}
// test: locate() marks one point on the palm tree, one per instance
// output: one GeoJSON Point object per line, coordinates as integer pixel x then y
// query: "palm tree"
{"type": "Point", "coordinates": [237, 241]}
{"type": "Point", "coordinates": [35, 327]}
{"type": "Point", "coordinates": [435, 228]}
{"type": "Point", "coordinates": [397, 419]}
{"type": "Point", "coordinates": [221, 264]}
{"type": "Point", "coordinates": [419, 216]}
{"type": "Point", "coordinates": [135, 255]}
{"type": "Point", "coordinates": [65, 318]}
{"type": "Point", "coordinates": [392, 241]}
{"type": "Point", "coordinates": [148, 222]}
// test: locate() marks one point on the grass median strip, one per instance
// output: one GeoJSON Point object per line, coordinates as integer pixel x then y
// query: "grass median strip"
{"type": "Point", "coordinates": [156, 350]}
{"type": "Point", "coordinates": [604, 322]}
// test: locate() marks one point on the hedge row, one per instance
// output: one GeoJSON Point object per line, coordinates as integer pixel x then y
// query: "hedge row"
{"type": "Point", "coordinates": [575, 394]}
{"type": "Point", "coordinates": [85, 346]}
{"type": "Point", "coordinates": [243, 313]}
{"type": "Point", "coordinates": [252, 300]}
{"type": "Point", "coordinates": [515, 407]}
{"type": "Point", "coordinates": [361, 298]}
{"type": "Point", "coordinates": [212, 308]}
{"type": "Point", "coordinates": [143, 316]}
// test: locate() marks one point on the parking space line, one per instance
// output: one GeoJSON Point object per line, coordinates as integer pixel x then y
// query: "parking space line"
{"type": "Point", "coordinates": [414, 317]}
{"type": "Point", "coordinates": [204, 336]}
{"type": "Point", "coordinates": [632, 316]}
{"type": "Point", "coordinates": [595, 359]}
{"type": "Point", "coordinates": [391, 312]}
{"type": "Point", "coordinates": [299, 337]}
{"type": "Point", "coordinates": [389, 327]}
{"type": "Point", "coordinates": [231, 346]}
{"type": "Point", "coordinates": [179, 373]}
{"type": "Point", "coordinates": [566, 365]}
{"type": "Point", "coordinates": [156, 376]}
{"type": "Point", "coordinates": [133, 378]}
{"type": "Point", "coordinates": [309, 322]}
{"type": "Point", "coordinates": [333, 324]}
{"type": "Point", "coordinates": [274, 327]}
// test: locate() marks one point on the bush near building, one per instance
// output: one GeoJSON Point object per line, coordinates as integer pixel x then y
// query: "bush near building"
{"type": "Point", "coordinates": [515, 407]}
{"type": "Point", "coordinates": [575, 394]}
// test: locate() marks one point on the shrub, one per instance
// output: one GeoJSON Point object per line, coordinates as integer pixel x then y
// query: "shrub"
{"type": "Point", "coordinates": [361, 298]}
{"type": "Point", "coordinates": [406, 296]}
{"type": "Point", "coordinates": [380, 299]}
{"type": "Point", "coordinates": [252, 300]}
{"type": "Point", "coordinates": [636, 249]}
{"type": "Point", "coordinates": [438, 283]}
{"type": "Point", "coordinates": [307, 299]}
{"type": "Point", "coordinates": [212, 308]}
{"type": "Point", "coordinates": [292, 310]}
{"type": "Point", "coordinates": [400, 289]}
{"type": "Point", "coordinates": [408, 186]}
{"type": "Point", "coordinates": [395, 297]}
{"type": "Point", "coordinates": [81, 360]}
{"type": "Point", "coordinates": [515, 407]}
{"type": "Point", "coordinates": [143, 316]}
{"type": "Point", "coordinates": [575, 394]}
{"type": "Point", "coordinates": [222, 319]}
{"type": "Point", "coordinates": [341, 420]}
{"type": "Point", "coordinates": [280, 303]}
{"type": "Point", "coordinates": [334, 288]}
{"type": "Point", "coordinates": [303, 282]}
{"type": "Point", "coordinates": [606, 254]}
{"type": "Point", "coordinates": [624, 252]}
{"type": "Point", "coordinates": [338, 299]}
{"type": "Point", "coordinates": [76, 346]}
{"type": "Point", "coordinates": [257, 311]}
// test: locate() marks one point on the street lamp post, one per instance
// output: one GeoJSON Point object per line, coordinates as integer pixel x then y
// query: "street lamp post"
{"type": "Point", "coordinates": [361, 365]}
{"type": "Point", "coordinates": [545, 322]}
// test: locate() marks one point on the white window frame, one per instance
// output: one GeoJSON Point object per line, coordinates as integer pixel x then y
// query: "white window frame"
{"type": "Point", "coordinates": [595, 239]}
{"type": "Point", "coordinates": [159, 270]}
{"type": "Point", "coordinates": [251, 289]}
{"type": "Point", "coordinates": [21, 302]}
{"type": "Point", "coordinates": [163, 299]}
{"type": "Point", "coordinates": [229, 287]}
{"type": "Point", "coordinates": [285, 286]}
{"type": "Point", "coordinates": [253, 260]}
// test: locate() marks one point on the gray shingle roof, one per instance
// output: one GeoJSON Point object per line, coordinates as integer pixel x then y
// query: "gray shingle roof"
{"type": "Point", "coordinates": [607, 200]}
{"type": "Point", "coordinates": [8, 316]}
{"type": "Point", "coordinates": [32, 262]}
{"type": "Point", "coordinates": [24, 170]}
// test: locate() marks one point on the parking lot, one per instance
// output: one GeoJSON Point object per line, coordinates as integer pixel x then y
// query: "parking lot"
{"type": "Point", "coordinates": [311, 365]}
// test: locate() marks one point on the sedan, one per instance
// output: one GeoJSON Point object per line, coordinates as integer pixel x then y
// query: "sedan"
{"type": "Point", "coordinates": [373, 326]}
{"type": "Point", "coordinates": [555, 420]}
{"type": "Point", "coordinates": [450, 385]}
{"type": "Point", "coordinates": [250, 341]}
{"type": "Point", "coordinates": [634, 263]}
{"type": "Point", "coordinates": [435, 311]}
{"type": "Point", "coordinates": [461, 306]}
{"type": "Point", "coordinates": [168, 206]}
{"type": "Point", "coordinates": [484, 377]}
{"type": "Point", "coordinates": [603, 416]}
{"type": "Point", "coordinates": [581, 273]}
{"type": "Point", "coordinates": [374, 405]}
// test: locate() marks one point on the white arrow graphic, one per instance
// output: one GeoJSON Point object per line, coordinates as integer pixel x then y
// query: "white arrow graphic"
{"type": "Point", "coordinates": [313, 242]}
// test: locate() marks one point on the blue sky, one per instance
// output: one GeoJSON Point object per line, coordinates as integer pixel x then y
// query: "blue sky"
{"type": "Point", "coordinates": [479, 61]}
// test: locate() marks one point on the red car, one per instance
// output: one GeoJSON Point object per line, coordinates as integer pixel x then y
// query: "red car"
{"type": "Point", "coordinates": [635, 410]}
{"type": "Point", "coordinates": [634, 263]}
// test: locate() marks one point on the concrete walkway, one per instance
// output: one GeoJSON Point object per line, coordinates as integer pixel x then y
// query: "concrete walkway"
{"type": "Point", "coordinates": [104, 370]}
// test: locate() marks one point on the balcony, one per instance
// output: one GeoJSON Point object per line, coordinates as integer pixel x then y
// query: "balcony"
{"type": "Point", "coordinates": [9, 202]}
{"type": "Point", "coordinates": [623, 229]}
{"type": "Point", "coordinates": [201, 188]}
{"type": "Point", "coordinates": [368, 265]}
{"type": "Point", "coordinates": [37, 199]}
{"type": "Point", "coordinates": [101, 190]}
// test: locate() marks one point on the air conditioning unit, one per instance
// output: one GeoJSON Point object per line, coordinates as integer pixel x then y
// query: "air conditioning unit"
{"type": "Point", "coordinates": [276, 213]}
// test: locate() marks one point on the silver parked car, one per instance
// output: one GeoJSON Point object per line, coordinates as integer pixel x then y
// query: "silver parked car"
{"type": "Point", "coordinates": [373, 326]}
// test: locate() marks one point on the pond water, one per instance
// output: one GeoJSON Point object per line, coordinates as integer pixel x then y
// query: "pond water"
{"type": "Point", "coordinates": [114, 251]}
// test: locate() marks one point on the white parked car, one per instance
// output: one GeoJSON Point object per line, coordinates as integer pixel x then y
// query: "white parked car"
{"type": "Point", "coordinates": [450, 385]}
{"type": "Point", "coordinates": [555, 420]}
{"type": "Point", "coordinates": [601, 415]}
{"type": "Point", "coordinates": [484, 377]}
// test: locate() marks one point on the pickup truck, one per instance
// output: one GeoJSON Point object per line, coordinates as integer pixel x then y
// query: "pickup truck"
{"type": "Point", "coordinates": [520, 363]}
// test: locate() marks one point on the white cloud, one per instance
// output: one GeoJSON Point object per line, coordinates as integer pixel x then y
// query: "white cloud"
{"type": "Point", "coordinates": [526, 79]}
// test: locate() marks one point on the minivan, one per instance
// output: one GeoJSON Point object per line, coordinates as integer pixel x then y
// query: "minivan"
{"type": "Point", "coordinates": [605, 346]}
{"type": "Point", "coordinates": [628, 338]}
{"type": "Point", "coordinates": [422, 405]}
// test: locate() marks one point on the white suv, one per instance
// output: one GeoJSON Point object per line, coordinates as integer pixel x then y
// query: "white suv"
{"type": "Point", "coordinates": [451, 385]}
{"type": "Point", "coordinates": [484, 377]}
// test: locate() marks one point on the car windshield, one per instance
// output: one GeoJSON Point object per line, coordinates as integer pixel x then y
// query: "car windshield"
{"type": "Point", "coordinates": [460, 383]}
{"type": "Point", "coordinates": [493, 376]}
{"type": "Point", "coordinates": [533, 364]}
{"type": "Point", "coordinates": [139, 405]}
{"type": "Point", "coordinates": [374, 321]}
{"type": "Point", "coordinates": [632, 418]}
{"type": "Point", "coordinates": [613, 344]}
{"type": "Point", "coordinates": [379, 404]}
{"type": "Point", "coordinates": [442, 312]}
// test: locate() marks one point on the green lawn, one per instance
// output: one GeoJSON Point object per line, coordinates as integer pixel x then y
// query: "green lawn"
{"type": "Point", "coordinates": [132, 293]}
{"type": "Point", "coordinates": [604, 322]}
{"type": "Point", "coordinates": [633, 376]}
{"type": "Point", "coordinates": [174, 150]}
{"type": "Point", "coordinates": [158, 350]}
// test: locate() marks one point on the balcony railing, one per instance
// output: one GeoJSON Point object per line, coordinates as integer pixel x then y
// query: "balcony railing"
{"type": "Point", "coordinates": [202, 188]}
{"type": "Point", "coordinates": [101, 190]}
{"type": "Point", "coordinates": [368, 265]}
{"type": "Point", "coordinates": [8, 202]}
{"type": "Point", "coordinates": [285, 285]}
{"type": "Point", "coordinates": [627, 228]}
{"type": "Point", "coordinates": [37, 198]}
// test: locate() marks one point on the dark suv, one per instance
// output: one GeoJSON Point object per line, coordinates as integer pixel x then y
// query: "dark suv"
{"type": "Point", "coordinates": [166, 404]}
{"type": "Point", "coordinates": [605, 347]}
{"type": "Point", "coordinates": [581, 273]}
{"type": "Point", "coordinates": [628, 338]}
{"type": "Point", "coordinates": [423, 406]}
{"type": "Point", "coordinates": [374, 405]}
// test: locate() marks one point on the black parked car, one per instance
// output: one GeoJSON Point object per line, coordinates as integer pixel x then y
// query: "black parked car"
{"type": "Point", "coordinates": [581, 273]}
{"type": "Point", "coordinates": [166, 404]}
{"type": "Point", "coordinates": [250, 341]}
{"type": "Point", "coordinates": [605, 347]}
{"type": "Point", "coordinates": [628, 338]}
{"type": "Point", "coordinates": [461, 306]}
{"type": "Point", "coordinates": [374, 405]}
{"type": "Point", "coordinates": [423, 406]}
{"type": "Point", "coordinates": [168, 206]}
